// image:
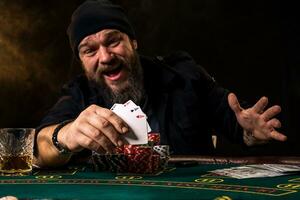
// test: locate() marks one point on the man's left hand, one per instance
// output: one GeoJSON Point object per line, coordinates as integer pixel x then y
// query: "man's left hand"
{"type": "Point", "coordinates": [256, 121]}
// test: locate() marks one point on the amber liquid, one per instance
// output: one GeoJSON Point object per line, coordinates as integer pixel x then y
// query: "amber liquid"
{"type": "Point", "coordinates": [15, 164]}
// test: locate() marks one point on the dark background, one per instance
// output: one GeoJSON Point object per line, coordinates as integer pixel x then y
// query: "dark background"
{"type": "Point", "coordinates": [250, 47]}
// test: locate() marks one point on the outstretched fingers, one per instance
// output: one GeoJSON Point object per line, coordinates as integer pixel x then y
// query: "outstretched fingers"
{"type": "Point", "coordinates": [260, 105]}
{"type": "Point", "coordinates": [271, 112]}
{"type": "Point", "coordinates": [234, 103]}
{"type": "Point", "coordinates": [278, 136]}
{"type": "Point", "coordinates": [275, 123]}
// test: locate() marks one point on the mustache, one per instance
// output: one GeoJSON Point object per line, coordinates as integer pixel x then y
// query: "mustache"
{"type": "Point", "coordinates": [112, 65]}
{"type": "Point", "coordinates": [108, 68]}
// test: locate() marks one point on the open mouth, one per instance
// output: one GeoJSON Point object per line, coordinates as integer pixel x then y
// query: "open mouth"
{"type": "Point", "coordinates": [113, 74]}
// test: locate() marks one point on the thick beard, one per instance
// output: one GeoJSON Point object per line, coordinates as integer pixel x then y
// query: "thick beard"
{"type": "Point", "coordinates": [135, 87]}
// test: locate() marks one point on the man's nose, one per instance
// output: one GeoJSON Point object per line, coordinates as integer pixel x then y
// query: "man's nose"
{"type": "Point", "coordinates": [105, 56]}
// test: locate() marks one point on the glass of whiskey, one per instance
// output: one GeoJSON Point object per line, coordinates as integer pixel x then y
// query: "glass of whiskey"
{"type": "Point", "coordinates": [16, 151]}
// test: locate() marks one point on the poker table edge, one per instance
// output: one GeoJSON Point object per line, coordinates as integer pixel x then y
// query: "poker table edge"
{"type": "Point", "coordinates": [293, 160]}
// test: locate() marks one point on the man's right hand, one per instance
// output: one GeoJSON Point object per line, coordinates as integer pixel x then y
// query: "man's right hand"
{"type": "Point", "coordinates": [96, 128]}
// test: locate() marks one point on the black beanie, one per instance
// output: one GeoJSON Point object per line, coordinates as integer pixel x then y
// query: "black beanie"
{"type": "Point", "coordinates": [94, 16]}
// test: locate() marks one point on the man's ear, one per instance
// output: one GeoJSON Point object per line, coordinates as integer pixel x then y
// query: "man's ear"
{"type": "Point", "coordinates": [134, 44]}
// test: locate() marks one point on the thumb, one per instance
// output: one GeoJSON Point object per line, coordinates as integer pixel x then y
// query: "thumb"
{"type": "Point", "coordinates": [234, 103]}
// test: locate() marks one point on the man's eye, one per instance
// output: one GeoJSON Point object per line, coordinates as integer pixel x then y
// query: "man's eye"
{"type": "Point", "coordinates": [88, 51]}
{"type": "Point", "coordinates": [114, 42]}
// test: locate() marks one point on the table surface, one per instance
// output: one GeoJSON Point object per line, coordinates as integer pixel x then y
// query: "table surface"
{"type": "Point", "coordinates": [187, 177]}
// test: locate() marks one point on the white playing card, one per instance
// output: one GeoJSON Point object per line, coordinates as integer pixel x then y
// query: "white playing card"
{"type": "Point", "coordinates": [136, 120]}
{"type": "Point", "coordinates": [284, 168]}
{"type": "Point", "coordinates": [116, 105]}
{"type": "Point", "coordinates": [246, 172]}
{"type": "Point", "coordinates": [148, 127]}
{"type": "Point", "coordinates": [130, 105]}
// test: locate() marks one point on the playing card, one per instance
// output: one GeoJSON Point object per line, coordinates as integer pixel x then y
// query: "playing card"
{"type": "Point", "coordinates": [116, 105]}
{"type": "Point", "coordinates": [136, 120]}
{"type": "Point", "coordinates": [242, 172]}
{"type": "Point", "coordinates": [284, 168]}
{"type": "Point", "coordinates": [130, 105]}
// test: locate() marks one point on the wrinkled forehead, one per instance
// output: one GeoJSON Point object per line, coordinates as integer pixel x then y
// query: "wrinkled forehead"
{"type": "Point", "coordinates": [101, 35]}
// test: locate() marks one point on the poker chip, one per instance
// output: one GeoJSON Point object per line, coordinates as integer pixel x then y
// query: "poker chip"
{"type": "Point", "coordinates": [130, 149]}
{"type": "Point", "coordinates": [135, 159]}
{"type": "Point", "coordinates": [117, 163]}
{"type": "Point", "coordinates": [119, 150]}
{"type": "Point", "coordinates": [140, 161]}
{"type": "Point", "coordinates": [100, 162]}
{"type": "Point", "coordinates": [155, 162]}
{"type": "Point", "coordinates": [163, 162]}
{"type": "Point", "coordinates": [162, 150]}
{"type": "Point", "coordinates": [153, 138]}
{"type": "Point", "coordinates": [143, 150]}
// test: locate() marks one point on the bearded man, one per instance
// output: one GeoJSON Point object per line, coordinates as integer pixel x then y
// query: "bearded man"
{"type": "Point", "coordinates": [183, 103]}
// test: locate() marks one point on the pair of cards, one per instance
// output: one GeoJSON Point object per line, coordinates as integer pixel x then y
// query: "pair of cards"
{"type": "Point", "coordinates": [259, 170]}
{"type": "Point", "coordinates": [136, 119]}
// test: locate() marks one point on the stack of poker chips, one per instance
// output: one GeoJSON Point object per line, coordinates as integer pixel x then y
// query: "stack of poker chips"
{"type": "Point", "coordinates": [137, 159]}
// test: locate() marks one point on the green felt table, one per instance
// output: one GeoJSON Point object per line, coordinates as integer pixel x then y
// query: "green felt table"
{"type": "Point", "coordinates": [183, 179]}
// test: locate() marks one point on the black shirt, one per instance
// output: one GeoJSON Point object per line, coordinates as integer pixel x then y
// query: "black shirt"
{"type": "Point", "coordinates": [183, 102]}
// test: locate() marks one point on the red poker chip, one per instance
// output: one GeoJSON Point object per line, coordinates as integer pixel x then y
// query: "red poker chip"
{"type": "Point", "coordinates": [119, 150]}
{"type": "Point", "coordinates": [130, 149]}
{"type": "Point", "coordinates": [137, 159]}
{"type": "Point", "coordinates": [140, 163]}
{"type": "Point", "coordinates": [154, 138]}
{"type": "Point", "coordinates": [155, 162]}
{"type": "Point", "coordinates": [143, 150]}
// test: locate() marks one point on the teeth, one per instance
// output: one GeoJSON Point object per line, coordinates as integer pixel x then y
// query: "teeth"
{"type": "Point", "coordinates": [113, 70]}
